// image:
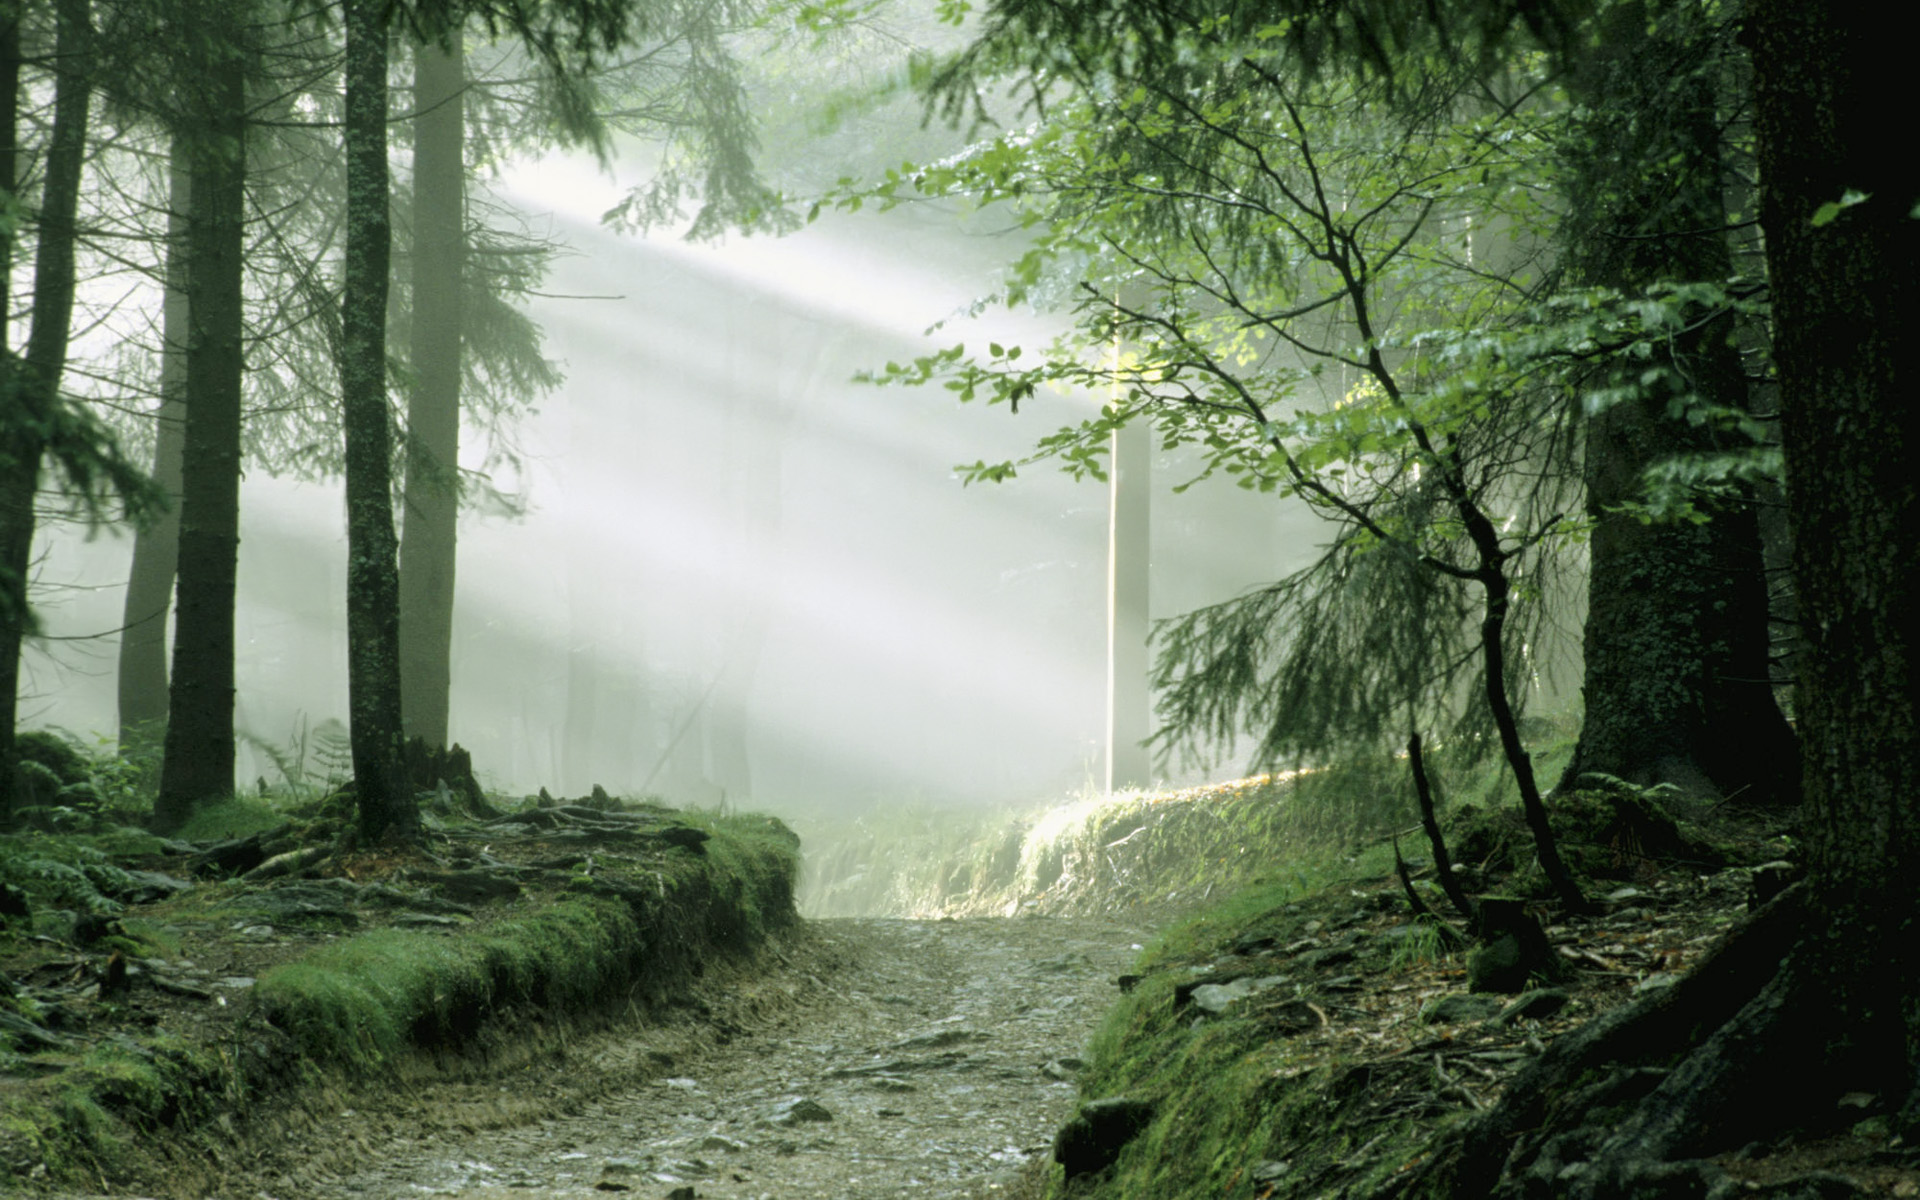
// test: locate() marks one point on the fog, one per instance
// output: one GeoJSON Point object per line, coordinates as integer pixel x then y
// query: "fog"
{"type": "Point", "coordinates": [739, 575]}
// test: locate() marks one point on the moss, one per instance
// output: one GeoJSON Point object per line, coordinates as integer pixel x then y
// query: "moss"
{"type": "Point", "coordinates": [357, 1003]}
{"type": "Point", "coordinates": [233, 817]}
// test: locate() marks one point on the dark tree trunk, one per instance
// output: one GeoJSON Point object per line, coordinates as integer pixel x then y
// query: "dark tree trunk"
{"type": "Point", "coordinates": [156, 545]}
{"type": "Point", "coordinates": [1677, 683]}
{"type": "Point", "coordinates": [35, 386]}
{"type": "Point", "coordinates": [1821, 989]}
{"type": "Point", "coordinates": [388, 809]}
{"type": "Point", "coordinates": [13, 582]}
{"type": "Point", "coordinates": [1846, 308]}
{"type": "Point", "coordinates": [433, 412]}
{"type": "Point", "coordinates": [198, 760]}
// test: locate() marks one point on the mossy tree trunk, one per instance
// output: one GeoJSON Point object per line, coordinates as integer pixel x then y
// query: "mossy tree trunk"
{"type": "Point", "coordinates": [432, 497]}
{"type": "Point", "coordinates": [142, 676]}
{"type": "Point", "coordinates": [387, 807]}
{"type": "Point", "coordinates": [198, 761]}
{"type": "Point", "coordinates": [1822, 991]}
{"type": "Point", "coordinates": [1676, 641]}
{"type": "Point", "coordinates": [33, 383]}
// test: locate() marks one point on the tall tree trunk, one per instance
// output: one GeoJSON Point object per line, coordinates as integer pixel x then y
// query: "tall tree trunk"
{"type": "Point", "coordinates": [197, 762]}
{"type": "Point", "coordinates": [156, 545]}
{"type": "Point", "coordinates": [432, 496]}
{"type": "Point", "coordinates": [388, 808]}
{"type": "Point", "coordinates": [1677, 681]}
{"type": "Point", "coordinates": [1846, 305]}
{"type": "Point", "coordinates": [13, 583]}
{"type": "Point", "coordinates": [35, 386]}
{"type": "Point", "coordinates": [1822, 987]}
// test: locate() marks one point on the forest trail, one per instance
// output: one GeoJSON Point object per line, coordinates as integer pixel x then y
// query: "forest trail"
{"type": "Point", "coordinates": [867, 1058]}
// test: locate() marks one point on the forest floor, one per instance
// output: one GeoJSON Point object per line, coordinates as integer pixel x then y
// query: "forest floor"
{"type": "Point", "coordinates": [856, 1059]}
{"type": "Point", "coordinates": [869, 1058]}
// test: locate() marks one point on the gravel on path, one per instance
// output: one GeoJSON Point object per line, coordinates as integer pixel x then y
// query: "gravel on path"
{"type": "Point", "coordinates": [869, 1059]}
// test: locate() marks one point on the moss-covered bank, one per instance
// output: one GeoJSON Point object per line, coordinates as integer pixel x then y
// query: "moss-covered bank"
{"type": "Point", "coordinates": [367, 971]}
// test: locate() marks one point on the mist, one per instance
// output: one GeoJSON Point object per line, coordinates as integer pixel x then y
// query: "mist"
{"type": "Point", "coordinates": [738, 576]}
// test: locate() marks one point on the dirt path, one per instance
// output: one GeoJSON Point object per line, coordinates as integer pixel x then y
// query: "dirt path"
{"type": "Point", "coordinates": [880, 1058]}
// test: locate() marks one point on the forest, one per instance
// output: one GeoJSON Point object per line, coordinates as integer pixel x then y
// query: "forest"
{"type": "Point", "coordinates": [1390, 384]}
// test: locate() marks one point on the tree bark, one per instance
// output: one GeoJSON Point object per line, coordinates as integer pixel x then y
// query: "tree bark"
{"type": "Point", "coordinates": [156, 545]}
{"type": "Point", "coordinates": [197, 764]}
{"type": "Point", "coordinates": [1822, 988]}
{"type": "Point", "coordinates": [387, 806]}
{"type": "Point", "coordinates": [13, 582]}
{"type": "Point", "coordinates": [432, 500]}
{"type": "Point", "coordinates": [1677, 683]}
{"type": "Point", "coordinates": [1846, 304]}
{"type": "Point", "coordinates": [35, 385]}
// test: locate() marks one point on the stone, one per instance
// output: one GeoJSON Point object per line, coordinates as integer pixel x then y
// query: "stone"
{"type": "Point", "coordinates": [1091, 1142]}
{"type": "Point", "coordinates": [1536, 1005]}
{"type": "Point", "coordinates": [145, 887]}
{"type": "Point", "coordinates": [796, 1110]}
{"type": "Point", "coordinates": [1460, 1009]}
{"type": "Point", "coordinates": [1062, 1069]}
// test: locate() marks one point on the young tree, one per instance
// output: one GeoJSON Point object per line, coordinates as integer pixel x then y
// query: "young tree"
{"type": "Point", "coordinates": [1283, 234]}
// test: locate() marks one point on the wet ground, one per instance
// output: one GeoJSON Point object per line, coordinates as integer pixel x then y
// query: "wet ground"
{"type": "Point", "coordinates": [869, 1058]}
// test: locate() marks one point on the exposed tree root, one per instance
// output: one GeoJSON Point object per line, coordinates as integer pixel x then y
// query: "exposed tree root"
{"type": "Point", "coordinates": [1624, 1108]}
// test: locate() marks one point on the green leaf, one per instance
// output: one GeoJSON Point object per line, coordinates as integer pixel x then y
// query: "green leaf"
{"type": "Point", "coordinates": [1829, 212]}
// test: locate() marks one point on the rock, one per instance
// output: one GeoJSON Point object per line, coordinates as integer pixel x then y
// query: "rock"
{"type": "Point", "coordinates": [1333, 956]}
{"type": "Point", "coordinates": [941, 1039]}
{"type": "Point", "coordinates": [1219, 997]}
{"type": "Point", "coordinates": [439, 920]}
{"type": "Point", "coordinates": [145, 887]}
{"type": "Point", "coordinates": [1093, 1139]}
{"type": "Point", "coordinates": [29, 1035]}
{"type": "Point", "coordinates": [1459, 1009]}
{"type": "Point", "coordinates": [1536, 1005]}
{"type": "Point", "coordinates": [796, 1110]}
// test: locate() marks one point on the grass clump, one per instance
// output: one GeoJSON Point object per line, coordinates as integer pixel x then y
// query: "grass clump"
{"type": "Point", "coordinates": [362, 1000]}
{"type": "Point", "coordinates": [1241, 1108]}
{"type": "Point", "coordinates": [359, 1001]}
